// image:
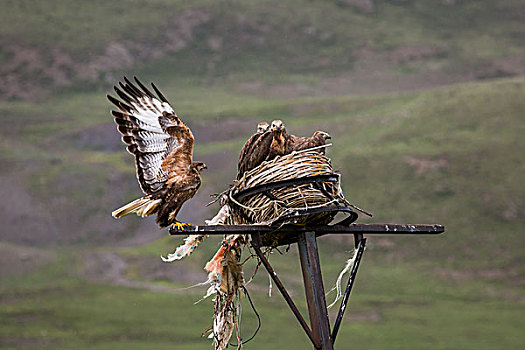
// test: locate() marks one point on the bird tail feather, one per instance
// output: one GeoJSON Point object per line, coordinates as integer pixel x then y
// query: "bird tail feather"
{"type": "Point", "coordinates": [143, 206]}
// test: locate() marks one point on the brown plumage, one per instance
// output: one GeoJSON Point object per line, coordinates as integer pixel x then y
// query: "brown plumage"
{"type": "Point", "coordinates": [266, 146]}
{"type": "Point", "coordinates": [246, 151]}
{"type": "Point", "coordinates": [294, 143]}
{"type": "Point", "coordinates": [279, 137]}
{"type": "Point", "coordinates": [163, 148]}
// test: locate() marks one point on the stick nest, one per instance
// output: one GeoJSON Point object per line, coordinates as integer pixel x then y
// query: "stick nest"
{"type": "Point", "coordinates": [287, 204]}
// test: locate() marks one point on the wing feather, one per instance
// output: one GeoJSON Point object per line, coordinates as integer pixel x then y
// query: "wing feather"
{"type": "Point", "coordinates": [161, 143]}
{"type": "Point", "coordinates": [255, 154]}
{"type": "Point", "coordinates": [161, 96]}
{"type": "Point", "coordinates": [126, 89]}
{"type": "Point", "coordinates": [245, 153]}
{"type": "Point", "coordinates": [121, 105]}
{"type": "Point", "coordinates": [135, 91]}
{"type": "Point", "coordinates": [125, 97]}
{"type": "Point", "coordinates": [145, 89]}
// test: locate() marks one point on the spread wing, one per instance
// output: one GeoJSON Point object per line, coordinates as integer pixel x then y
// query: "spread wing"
{"type": "Point", "coordinates": [161, 143]}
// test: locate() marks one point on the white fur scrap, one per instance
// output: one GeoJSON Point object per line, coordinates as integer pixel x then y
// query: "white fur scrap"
{"type": "Point", "coordinates": [190, 243]}
{"type": "Point", "coordinates": [339, 291]}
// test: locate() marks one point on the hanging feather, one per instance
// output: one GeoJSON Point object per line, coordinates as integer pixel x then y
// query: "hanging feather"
{"type": "Point", "coordinates": [214, 280]}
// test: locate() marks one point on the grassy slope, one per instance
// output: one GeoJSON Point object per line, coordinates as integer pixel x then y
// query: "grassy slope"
{"type": "Point", "coordinates": [393, 307]}
{"type": "Point", "coordinates": [451, 155]}
{"type": "Point", "coordinates": [268, 40]}
{"type": "Point", "coordinates": [458, 290]}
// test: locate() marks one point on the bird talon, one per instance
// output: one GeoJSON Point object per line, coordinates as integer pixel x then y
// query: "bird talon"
{"type": "Point", "coordinates": [180, 225]}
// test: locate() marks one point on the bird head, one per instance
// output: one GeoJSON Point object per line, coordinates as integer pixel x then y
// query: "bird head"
{"type": "Point", "coordinates": [262, 127]}
{"type": "Point", "coordinates": [277, 125]}
{"type": "Point", "coordinates": [323, 134]}
{"type": "Point", "coordinates": [199, 166]}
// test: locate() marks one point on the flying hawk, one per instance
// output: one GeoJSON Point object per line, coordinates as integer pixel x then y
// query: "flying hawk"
{"type": "Point", "coordinates": [163, 148]}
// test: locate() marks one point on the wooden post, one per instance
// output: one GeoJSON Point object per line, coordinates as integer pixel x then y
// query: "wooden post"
{"type": "Point", "coordinates": [313, 285]}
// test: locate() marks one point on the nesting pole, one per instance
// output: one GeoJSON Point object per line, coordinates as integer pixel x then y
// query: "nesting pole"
{"type": "Point", "coordinates": [314, 289]}
{"type": "Point", "coordinates": [306, 238]}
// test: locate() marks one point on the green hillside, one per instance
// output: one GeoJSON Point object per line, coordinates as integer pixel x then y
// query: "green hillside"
{"type": "Point", "coordinates": [424, 101]}
{"type": "Point", "coordinates": [405, 44]}
{"type": "Point", "coordinates": [448, 156]}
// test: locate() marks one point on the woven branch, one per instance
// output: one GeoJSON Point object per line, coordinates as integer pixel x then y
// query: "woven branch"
{"type": "Point", "coordinates": [266, 208]}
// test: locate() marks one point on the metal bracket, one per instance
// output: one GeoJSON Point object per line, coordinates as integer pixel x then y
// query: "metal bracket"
{"type": "Point", "coordinates": [319, 332]}
{"type": "Point", "coordinates": [360, 242]}
{"type": "Point", "coordinates": [256, 244]}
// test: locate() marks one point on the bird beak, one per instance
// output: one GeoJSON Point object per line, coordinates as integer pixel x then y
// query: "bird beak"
{"type": "Point", "coordinates": [327, 136]}
{"type": "Point", "coordinates": [204, 166]}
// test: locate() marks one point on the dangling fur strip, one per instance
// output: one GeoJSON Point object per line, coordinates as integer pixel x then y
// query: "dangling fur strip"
{"type": "Point", "coordinates": [215, 264]}
{"type": "Point", "coordinates": [223, 321]}
{"type": "Point", "coordinates": [221, 216]}
{"type": "Point", "coordinates": [190, 243]}
{"type": "Point", "coordinates": [339, 291]}
{"type": "Point", "coordinates": [226, 266]}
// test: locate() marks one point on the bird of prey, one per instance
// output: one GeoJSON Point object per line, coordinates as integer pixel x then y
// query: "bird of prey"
{"type": "Point", "coordinates": [262, 127]}
{"type": "Point", "coordinates": [284, 143]}
{"type": "Point", "coordinates": [163, 148]}
{"type": "Point", "coordinates": [279, 138]}
{"type": "Point", "coordinates": [294, 143]}
{"type": "Point", "coordinates": [248, 148]}
{"type": "Point", "coordinates": [266, 146]}
{"type": "Point", "coordinates": [270, 142]}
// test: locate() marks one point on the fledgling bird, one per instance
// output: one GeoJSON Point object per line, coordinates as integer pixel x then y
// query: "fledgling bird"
{"type": "Point", "coordinates": [245, 163]}
{"type": "Point", "coordinates": [270, 142]}
{"type": "Point", "coordinates": [163, 148]}
{"type": "Point", "coordinates": [257, 152]}
{"type": "Point", "coordinates": [279, 137]}
{"type": "Point", "coordinates": [266, 146]}
{"type": "Point", "coordinates": [262, 127]}
{"type": "Point", "coordinates": [294, 143]}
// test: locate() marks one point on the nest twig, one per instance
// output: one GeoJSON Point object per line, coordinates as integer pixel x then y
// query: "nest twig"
{"type": "Point", "coordinates": [266, 207]}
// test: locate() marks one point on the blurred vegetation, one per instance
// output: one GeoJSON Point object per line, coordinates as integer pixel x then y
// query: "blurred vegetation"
{"type": "Point", "coordinates": [268, 40]}
{"type": "Point", "coordinates": [434, 152]}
